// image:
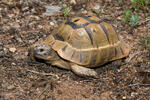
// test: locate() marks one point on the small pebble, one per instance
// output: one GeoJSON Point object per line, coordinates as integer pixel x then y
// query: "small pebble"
{"type": "Point", "coordinates": [13, 64]}
{"type": "Point", "coordinates": [31, 41]}
{"type": "Point", "coordinates": [5, 50]}
{"type": "Point", "coordinates": [40, 26]}
{"type": "Point", "coordinates": [26, 53]}
{"type": "Point", "coordinates": [133, 94]}
{"type": "Point", "coordinates": [51, 23]}
{"type": "Point", "coordinates": [10, 87]}
{"type": "Point", "coordinates": [84, 12]}
{"type": "Point", "coordinates": [73, 2]}
{"type": "Point", "coordinates": [25, 8]}
{"type": "Point", "coordinates": [12, 49]}
{"type": "Point", "coordinates": [123, 97]}
{"type": "Point", "coordinates": [19, 40]}
{"type": "Point", "coordinates": [96, 6]}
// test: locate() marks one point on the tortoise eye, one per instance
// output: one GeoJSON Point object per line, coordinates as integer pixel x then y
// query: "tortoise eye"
{"type": "Point", "coordinates": [76, 20]}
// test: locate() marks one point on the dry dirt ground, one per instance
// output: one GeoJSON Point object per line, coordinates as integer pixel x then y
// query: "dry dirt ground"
{"type": "Point", "coordinates": [22, 23]}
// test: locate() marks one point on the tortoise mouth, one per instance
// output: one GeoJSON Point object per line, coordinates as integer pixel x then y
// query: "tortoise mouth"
{"type": "Point", "coordinates": [41, 51]}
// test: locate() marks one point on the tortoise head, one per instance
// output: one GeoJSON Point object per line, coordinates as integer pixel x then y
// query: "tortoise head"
{"type": "Point", "coordinates": [42, 52]}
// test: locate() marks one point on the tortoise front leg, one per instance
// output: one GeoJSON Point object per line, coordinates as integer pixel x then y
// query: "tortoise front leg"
{"type": "Point", "coordinates": [83, 71]}
{"type": "Point", "coordinates": [61, 64]}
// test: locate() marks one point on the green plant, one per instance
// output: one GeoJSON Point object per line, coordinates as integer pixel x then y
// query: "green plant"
{"type": "Point", "coordinates": [127, 15]}
{"type": "Point", "coordinates": [145, 41]}
{"type": "Point", "coordinates": [140, 4]}
{"type": "Point", "coordinates": [130, 18]}
{"type": "Point", "coordinates": [120, 2]}
{"type": "Point", "coordinates": [66, 10]}
{"type": "Point", "coordinates": [98, 12]}
{"type": "Point", "coordinates": [134, 20]}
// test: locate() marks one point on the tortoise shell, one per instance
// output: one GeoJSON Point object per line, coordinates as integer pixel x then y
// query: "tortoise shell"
{"type": "Point", "coordinates": [87, 41]}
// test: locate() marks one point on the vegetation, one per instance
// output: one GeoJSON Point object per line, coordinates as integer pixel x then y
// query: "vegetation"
{"type": "Point", "coordinates": [98, 12]}
{"type": "Point", "coordinates": [140, 4]}
{"type": "Point", "coordinates": [133, 19]}
{"type": "Point", "coordinates": [127, 15]}
{"type": "Point", "coordinates": [145, 41]}
{"type": "Point", "coordinates": [130, 18]}
{"type": "Point", "coordinates": [66, 10]}
{"type": "Point", "coordinates": [120, 2]}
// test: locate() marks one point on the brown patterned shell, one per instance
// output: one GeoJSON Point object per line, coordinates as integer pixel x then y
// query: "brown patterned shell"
{"type": "Point", "coordinates": [87, 41]}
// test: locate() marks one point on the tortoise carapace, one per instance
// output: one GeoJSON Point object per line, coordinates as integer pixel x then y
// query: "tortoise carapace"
{"type": "Point", "coordinates": [80, 44]}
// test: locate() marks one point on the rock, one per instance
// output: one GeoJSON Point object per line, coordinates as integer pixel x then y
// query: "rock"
{"type": "Point", "coordinates": [77, 4]}
{"type": "Point", "coordinates": [5, 50]}
{"type": "Point", "coordinates": [84, 12]}
{"type": "Point", "coordinates": [13, 64]}
{"type": "Point", "coordinates": [73, 2]}
{"type": "Point", "coordinates": [133, 94]}
{"type": "Point", "coordinates": [31, 41]}
{"type": "Point", "coordinates": [51, 10]}
{"type": "Point", "coordinates": [95, 6]}
{"type": "Point", "coordinates": [19, 39]}
{"type": "Point", "coordinates": [25, 8]}
{"type": "Point", "coordinates": [12, 49]}
{"type": "Point", "coordinates": [51, 23]}
{"type": "Point", "coordinates": [40, 26]}
{"type": "Point", "coordinates": [124, 98]}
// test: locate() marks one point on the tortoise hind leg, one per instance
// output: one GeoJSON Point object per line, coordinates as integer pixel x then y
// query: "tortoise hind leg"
{"type": "Point", "coordinates": [83, 71]}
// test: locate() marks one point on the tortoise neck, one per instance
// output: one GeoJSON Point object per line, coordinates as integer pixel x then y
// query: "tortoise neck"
{"type": "Point", "coordinates": [54, 57]}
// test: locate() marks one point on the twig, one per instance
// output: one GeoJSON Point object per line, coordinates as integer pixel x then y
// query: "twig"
{"type": "Point", "coordinates": [42, 93]}
{"type": "Point", "coordinates": [137, 54]}
{"type": "Point", "coordinates": [139, 85]}
{"type": "Point", "coordinates": [46, 74]}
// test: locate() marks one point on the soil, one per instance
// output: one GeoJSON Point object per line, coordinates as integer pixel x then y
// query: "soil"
{"type": "Point", "coordinates": [22, 23]}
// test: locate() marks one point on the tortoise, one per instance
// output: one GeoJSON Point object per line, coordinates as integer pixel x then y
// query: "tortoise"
{"type": "Point", "coordinates": [80, 44]}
